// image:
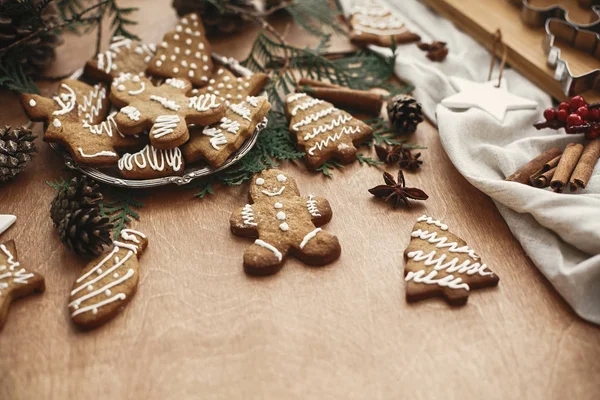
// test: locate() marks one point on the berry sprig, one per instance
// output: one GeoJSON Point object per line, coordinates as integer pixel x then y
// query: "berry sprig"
{"type": "Point", "coordinates": [576, 116]}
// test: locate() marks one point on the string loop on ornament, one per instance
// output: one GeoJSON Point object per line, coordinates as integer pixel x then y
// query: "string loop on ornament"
{"type": "Point", "coordinates": [497, 36]}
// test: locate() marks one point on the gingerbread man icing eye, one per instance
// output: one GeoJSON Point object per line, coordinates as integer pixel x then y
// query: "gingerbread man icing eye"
{"type": "Point", "coordinates": [260, 181]}
{"type": "Point", "coordinates": [281, 178]}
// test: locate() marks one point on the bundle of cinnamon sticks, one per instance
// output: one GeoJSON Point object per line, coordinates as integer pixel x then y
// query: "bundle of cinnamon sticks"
{"type": "Point", "coordinates": [359, 100]}
{"type": "Point", "coordinates": [557, 169]}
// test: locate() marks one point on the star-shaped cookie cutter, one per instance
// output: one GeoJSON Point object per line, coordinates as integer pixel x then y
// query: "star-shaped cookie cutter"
{"type": "Point", "coordinates": [538, 16]}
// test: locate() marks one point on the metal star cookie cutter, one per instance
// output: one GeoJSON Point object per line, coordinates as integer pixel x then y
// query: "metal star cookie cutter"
{"type": "Point", "coordinates": [190, 173]}
{"type": "Point", "coordinates": [537, 16]}
{"type": "Point", "coordinates": [581, 39]}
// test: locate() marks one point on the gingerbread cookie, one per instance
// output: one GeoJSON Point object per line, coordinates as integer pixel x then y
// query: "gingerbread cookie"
{"type": "Point", "coordinates": [231, 89]}
{"type": "Point", "coordinates": [151, 162]}
{"type": "Point", "coordinates": [323, 131]}
{"type": "Point", "coordinates": [377, 25]}
{"type": "Point", "coordinates": [184, 53]}
{"type": "Point", "coordinates": [216, 142]}
{"type": "Point", "coordinates": [165, 109]}
{"type": "Point", "coordinates": [123, 55]}
{"type": "Point", "coordinates": [15, 281]}
{"type": "Point", "coordinates": [108, 283]}
{"type": "Point", "coordinates": [284, 222]}
{"type": "Point", "coordinates": [93, 145]}
{"type": "Point", "coordinates": [439, 263]}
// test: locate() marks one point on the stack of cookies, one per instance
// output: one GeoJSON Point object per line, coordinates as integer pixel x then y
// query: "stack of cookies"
{"type": "Point", "coordinates": [152, 109]}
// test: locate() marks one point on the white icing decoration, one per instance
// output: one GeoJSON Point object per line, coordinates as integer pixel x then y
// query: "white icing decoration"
{"type": "Point", "coordinates": [335, 123]}
{"type": "Point", "coordinates": [56, 123]}
{"type": "Point", "coordinates": [105, 126]}
{"type": "Point", "coordinates": [281, 178]}
{"type": "Point", "coordinates": [284, 226]}
{"type": "Point", "coordinates": [204, 102]}
{"type": "Point", "coordinates": [248, 215]}
{"type": "Point", "coordinates": [166, 103]}
{"type": "Point", "coordinates": [164, 125]}
{"type": "Point", "coordinates": [311, 205]}
{"type": "Point", "coordinates": [330, 139]}
{"type": "Point", "coordinates": [20, 276]}
{"type": "Point", "coordinates": [272, 194]}
{"type": "Point", "coordinates": [278, 205]}
{"type": "Point", "coordinates": [103, 153]}
{"type": "Point", "coordinates": [154, 158]}
{"type": "Point", "coordinates": [230, 125]}
{"type": "Point", "coordinates": [176, 83]}
{"type": "Point", "coordinates": [253, 101]}
{"type": "Point", "coordinates": [308, 237]}
{"type": "Point", "coordinates": [431, 221]}
{"type": "Point", "coordinates": [32, 103]}
{"type": "Point", "coordinates": [306, 105]}
{"type": "Point", "coordinates": [216, 137]}
{"type": "Point", "coordinates": [260, 181]}
{"type": "Point", "coordinates": [280, 216]}
{"type": "Point", "coordinates": [309, 119]}
{"type": "Point", "coordinates": [98, 94]}
{"type": "Point", "coordinates": [140, 90]}
{"type": "Point", "coordinates": [242, 111]}
{"type": "Point", "coordinates": [442, 242]}
{"type": "Point", "coordinates": [296, 96]}
{"type": "Point", "coordinates": [70, 99]}
{"type": "Point", "coordinates": [268, 246]}
{"type": "Point", "coordinates": [131, 112]}
{"type": "Point", "coordinates": [95, 307]}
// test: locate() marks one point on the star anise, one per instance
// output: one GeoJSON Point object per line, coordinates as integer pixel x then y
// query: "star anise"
{"type": "Point", "coordinates": [408, 160]}
{"type": "Point", "coordinates": [397, 192]}
{"type": "Point", "coordinates": [436, 51]}
{"type": "Point", "coordinates": [388, 155]}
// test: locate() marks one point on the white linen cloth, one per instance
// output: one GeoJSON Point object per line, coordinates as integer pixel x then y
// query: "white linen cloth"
{"type": "Point", "coordinates": [559, 232]}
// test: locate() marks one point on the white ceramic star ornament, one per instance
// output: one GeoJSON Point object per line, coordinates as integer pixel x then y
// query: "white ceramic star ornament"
{"type": "Point", "coordinates": [486, 96]}
{"type": "Point", "coordinates": [6, 221]}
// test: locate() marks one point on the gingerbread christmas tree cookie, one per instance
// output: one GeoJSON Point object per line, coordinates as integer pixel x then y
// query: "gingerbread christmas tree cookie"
{"type": "Point", "coordinates": [439, 263]}
{"type": "Point", "coordinates": [283, 222]}
{"type": "Point", "coordinates": [375, 24]}
{"type": "Point", "coordinates": [216, 142]}
{"type": "Point", "coordinates": [15, 280]}
{"type": "Point", "coordinates": [165, 110]}
{"type": "Point", "coordinates": [151, 162]}
{"type": "Point", "coordinates": [123, 55]}
{"type": "Point", "coordinates": [231, 89]}
{"type": "Point", "coordinates": [108, 283]}
{"type": "Point", "coordinates": [323, 131]}
{"type": "Point", "coordinates": [184, 53]}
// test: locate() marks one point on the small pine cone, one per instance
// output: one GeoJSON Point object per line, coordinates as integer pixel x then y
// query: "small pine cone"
{"type": "Point", "coordinates": [16, 148]}
{"type": "Point", "coordinates": [215, 21]}
{"type": "Point", "coordinates": [405, 113]}
{"type": "Point", "coordinates": [85, 231]}
{"type": "Point", "coordinates": [82, 193]}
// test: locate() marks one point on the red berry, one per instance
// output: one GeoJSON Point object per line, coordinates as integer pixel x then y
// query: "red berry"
{"type": "Point", "coordinates": [563, 106]}
{"type": "Point", "coordinates": [576, 102]}
{"type": "Point", "coordinates": [592, 134]}
{"type": "Point", "coordinates": [594, 114]}
{"type": "Point", "coordinates": [574, 120]}
{"type": "Point", "coordinates": [550, 114]}
{"type": "Point", "coordinates": [583, 111]}
{"type": "Point", "coordinates": [561, 115]}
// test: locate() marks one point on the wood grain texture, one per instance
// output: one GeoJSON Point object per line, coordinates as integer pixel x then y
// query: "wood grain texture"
{"type": "Point", "coordinates": [525, 44]}
{"type": "Point", "coordinates": [200, 328]}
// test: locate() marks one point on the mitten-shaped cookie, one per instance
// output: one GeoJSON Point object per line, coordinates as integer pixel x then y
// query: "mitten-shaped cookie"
{"type": "Point", "coordinates": [15, 280]}
{"type": "Point", "coordinates": [324, 132]}
{"type": "Point", "coordinates": [284, 223]}
{"type": "Point", "coordinates": [165, 110]}
{"type": "Point", "coordinates": [108, 283]}
{"type": "Point", "coordinates": [439, 263]}
{"type": "Point", "coordinates": [378, 26]}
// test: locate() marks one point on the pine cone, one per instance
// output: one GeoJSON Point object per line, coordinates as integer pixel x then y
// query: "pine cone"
{"type": "Point", "coordinates": [215, 22]}
{"type": "Point", "coordinates": [16, 148]}
{"type": "Point", "coordinates": [85, 231]}
{"type": "Point", "coordinates": [404, 113]}
{"type": "Point", "coordinates": [80, 194]}
{"type": "Point", "coordinates": [18, 21]}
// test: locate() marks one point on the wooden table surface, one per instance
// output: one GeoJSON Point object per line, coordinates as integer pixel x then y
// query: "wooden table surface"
{"type": "Point", "coordinates": [200, 328]}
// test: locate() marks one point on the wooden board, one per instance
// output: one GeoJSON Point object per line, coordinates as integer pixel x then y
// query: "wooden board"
{"type": "Point", "coordinates": [200, 328]}
{"type": "Point", "coordinates": [481, 19]}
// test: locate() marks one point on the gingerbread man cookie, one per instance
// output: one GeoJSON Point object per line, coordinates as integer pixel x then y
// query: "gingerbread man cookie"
{"type": "Point", "coordinates": [323, 131]}
{"type": "Point", "coordinates": [216, 142]}
{"type": "Point", "coordinates": [184, 53]}
{"type": "Point", "coordinates": [439, 263]}
{"type": "Point", "coordinates": [108, 283]}
{"type": "Point", "coordinates": [93, 145]}
{"type": "Point", "coordinates": [15, 281]}
{"type": "Point", "coordinates": [151, 162]}
{"type": "Point", "coordinates": [284, 222]}
{"type": "Point", "coordinates": [123, 55]}
{"type": "Point", "coordinates": [231, 89]}
{"type": "Point", "coordinates": [165, 109]}
{"type": "Point", "coordinates": [375, 24]}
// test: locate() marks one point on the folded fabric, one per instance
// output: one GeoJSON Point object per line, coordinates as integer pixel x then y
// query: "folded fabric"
{"type": "Point", "coordinates": [559, 232]}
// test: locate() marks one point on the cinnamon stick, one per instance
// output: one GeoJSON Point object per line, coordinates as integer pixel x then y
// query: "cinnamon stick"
{"type": "Point", "coordinates": [316, 83]}
{"type": "Point", "coordinates": [523, 174]}
{"type": "Point", "coordinates": [543, 180]}
{"type": "Point", "coordinates": [545, 168]}
{"type": "Point", "coordinates": [585, 167]}
{"type": "Point", "coordinates": [565, 167]}
{"type": "Point", "coordinates": [358, 100]}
